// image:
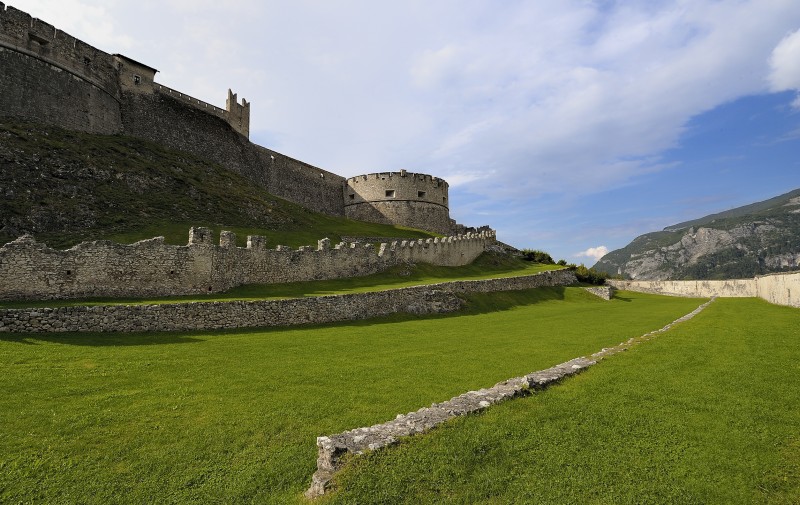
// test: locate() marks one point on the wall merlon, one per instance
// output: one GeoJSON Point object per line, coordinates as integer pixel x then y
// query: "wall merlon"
{"type": "Point", "coordinates": [200, 235]}
{"type": "Point", "coordinates": [227, 239]}
{"type": "Point", "coordinates": [256, 242]}
{"type": "Point", "coordinates": [324, 244]}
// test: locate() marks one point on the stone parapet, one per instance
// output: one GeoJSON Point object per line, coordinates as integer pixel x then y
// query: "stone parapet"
{"type": "Point", "coordinates": [30, 270]}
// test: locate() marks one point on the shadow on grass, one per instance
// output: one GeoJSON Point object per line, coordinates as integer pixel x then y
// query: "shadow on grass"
{"type": "Point", "coordinates": [100, 339]}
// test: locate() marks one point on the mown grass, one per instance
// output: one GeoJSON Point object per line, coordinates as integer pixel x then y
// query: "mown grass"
{"type": "Point", "coordinates": [707, 413]}
{"type": "Point", "coordinates": [486, 266]}
{"type": "Point", "coordinates": [232, 417]}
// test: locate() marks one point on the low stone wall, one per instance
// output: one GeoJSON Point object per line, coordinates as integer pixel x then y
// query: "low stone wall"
{"type": "Point", "coordinates": [434, 298]}
{"type": "Point", "coordinates": [332, 449]}
{"type": "Point", "coordinates": [30, 270]}
{"type": "Point", "coordinates": [780, 289]}
{"type": "Point", "coordinates": [604, 292]}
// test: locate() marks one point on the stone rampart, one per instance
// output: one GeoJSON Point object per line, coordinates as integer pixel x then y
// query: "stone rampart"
{"type": "Point", "coordinates": [434, 298]}
{"type": "Point", "coordinates": [50, 76]}
{"type": "Point", "coordinates": [780, 288]}
{"type": "Point", "coordinates": [30, 270]}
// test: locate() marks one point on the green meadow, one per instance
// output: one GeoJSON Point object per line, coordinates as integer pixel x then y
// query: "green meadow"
{"type": "Point", "coordinates": [708, 412]}
{"type": "Point", "coordinates": [232, 417]}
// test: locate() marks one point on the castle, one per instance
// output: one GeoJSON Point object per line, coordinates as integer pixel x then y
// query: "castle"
{"type": "Point", "coordinates": [49, 76]}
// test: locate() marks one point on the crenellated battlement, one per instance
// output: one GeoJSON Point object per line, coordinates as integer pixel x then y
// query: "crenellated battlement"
{"type": "Point", "coordinates": [405, 198]}
{"type": "Point", "coordinates": [30, 270]}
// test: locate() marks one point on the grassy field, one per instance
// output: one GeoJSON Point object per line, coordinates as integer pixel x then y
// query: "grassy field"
{"type": "Point", "coordinates": [706, 413]}
{"type": "Point", "coordinates": [232, 417]}
{"type": "Point", "coordinates": [486, 266]}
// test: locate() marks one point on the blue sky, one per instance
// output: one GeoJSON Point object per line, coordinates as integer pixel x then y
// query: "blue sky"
{"type": "Point", "coordinates": [568, 126]}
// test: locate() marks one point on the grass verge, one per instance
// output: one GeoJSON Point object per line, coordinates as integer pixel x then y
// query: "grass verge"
{"type": "Point", "coordinates": [231, 417]}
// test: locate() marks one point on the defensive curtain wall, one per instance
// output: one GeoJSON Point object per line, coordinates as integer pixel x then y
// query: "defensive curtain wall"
{"type": "Point", "coordinates": [779, 288]}
{"type": "Point", "coordinates": [50, 76]}
{"type": "Point", "coordinates": [30, 270]}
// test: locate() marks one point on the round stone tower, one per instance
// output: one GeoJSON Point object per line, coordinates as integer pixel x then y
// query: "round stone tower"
{"type": "Point", "coordinates": [400, 198]}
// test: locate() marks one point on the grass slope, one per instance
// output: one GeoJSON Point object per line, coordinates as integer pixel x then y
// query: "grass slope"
{"type": "Point", "coordinates": [232, 417]}
{"type": "Point", "coordinates": [707, 413]}
{"type": "Point", "coordinates": [65, 187]}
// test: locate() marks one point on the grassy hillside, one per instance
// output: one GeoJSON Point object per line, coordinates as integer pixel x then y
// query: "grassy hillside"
{"type": "Point", "coordinates": [64, 187]}
{"type": "Point", "coordinates": [764, 208]}
{"type": "Point", "coordinates": [232, 417]}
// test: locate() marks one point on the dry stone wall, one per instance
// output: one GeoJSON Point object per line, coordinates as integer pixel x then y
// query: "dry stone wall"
{"type": "Point", "coordinates": [30, 270]}
{"type": "Point", "coordinates": [435, 298]}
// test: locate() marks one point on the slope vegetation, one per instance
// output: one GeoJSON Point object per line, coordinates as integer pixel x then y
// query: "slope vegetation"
{"type": "Point", "coordinates": [64, 187]}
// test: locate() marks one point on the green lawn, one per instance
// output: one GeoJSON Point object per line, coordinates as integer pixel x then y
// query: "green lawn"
{"type": "Point", "coordinates": [232, 417]}
{"type": "Point", "coordinates": [486, 266]}
{"type": "Point", "coordinates": [709, 412]}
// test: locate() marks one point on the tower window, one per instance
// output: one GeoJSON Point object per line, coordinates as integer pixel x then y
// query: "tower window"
{"type": "Point", "coordinates": [421, 194]}
{"type": "Point", "coordinates": [352, 197]}
{"type": "Point", "coordinates": [137, 79]}
{"type": "Point", "coordinates": [389, 193]}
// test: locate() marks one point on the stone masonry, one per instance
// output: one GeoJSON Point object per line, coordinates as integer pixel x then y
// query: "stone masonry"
{"type": "Point", "coordinates": [30, 270]}
{"type": "Point", "coordinates": [50, 76]}
{"type": "Point", "coordinates": [433, 298]}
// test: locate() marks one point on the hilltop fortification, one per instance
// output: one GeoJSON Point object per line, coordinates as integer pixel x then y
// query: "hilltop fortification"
{"type": "Point", "coordinates": [49, 76]}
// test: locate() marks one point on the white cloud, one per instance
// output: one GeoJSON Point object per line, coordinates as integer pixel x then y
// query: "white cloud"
{"type": "Point", "coordinates": [593, 252]}
{"type": "Point", "coordinates": [785, 66]}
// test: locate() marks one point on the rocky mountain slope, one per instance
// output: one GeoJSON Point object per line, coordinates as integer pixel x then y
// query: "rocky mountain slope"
{"type": "Point", "coordinates": [760, 238]}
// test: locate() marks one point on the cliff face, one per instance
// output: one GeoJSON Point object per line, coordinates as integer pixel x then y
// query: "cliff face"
{"type": "Point", "coordinates": [756, 239]}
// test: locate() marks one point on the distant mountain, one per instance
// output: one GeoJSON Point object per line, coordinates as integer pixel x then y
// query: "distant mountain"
{"type": "Point", "coordinates": [755, 239]}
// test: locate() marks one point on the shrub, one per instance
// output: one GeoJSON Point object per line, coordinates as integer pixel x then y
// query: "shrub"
{"type": "Point", "coordinates": [589, 275]}
{"type": "Point", "coordinates": [537, 256]}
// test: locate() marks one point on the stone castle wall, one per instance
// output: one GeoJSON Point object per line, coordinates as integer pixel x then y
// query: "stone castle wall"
{"type": "Point", "coordinates": [30, 270]}
{"type": "Point", "coordinates": [430, 299]}
{"type": "Point", "coordinates": [50, 76]}
{"type": "Point", "coordinates": [780, 289]}
{"type": "Point", "coordinates": [403, 198]}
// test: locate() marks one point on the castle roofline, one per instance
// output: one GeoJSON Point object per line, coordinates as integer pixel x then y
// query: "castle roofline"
{"type": "Point", "coordinates": [131, 60]}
